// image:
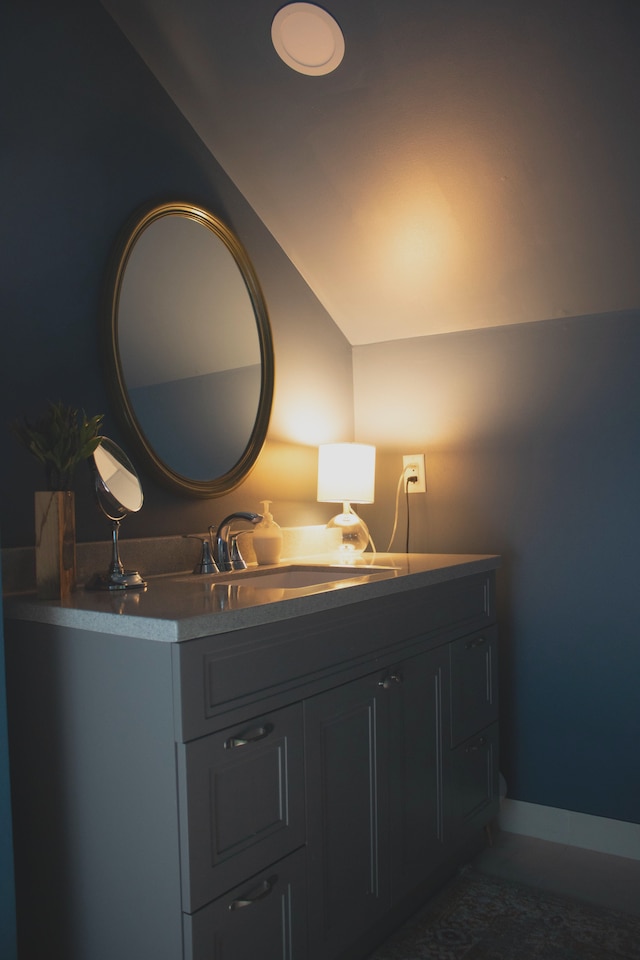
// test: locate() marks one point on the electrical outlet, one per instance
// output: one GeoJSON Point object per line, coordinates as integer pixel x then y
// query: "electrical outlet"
{"type": "Point", "coordinates": [414, 467]}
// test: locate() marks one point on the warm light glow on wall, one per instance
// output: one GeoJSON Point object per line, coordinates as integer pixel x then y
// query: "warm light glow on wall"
{"type": "Point", "coordinates": [314, 402]}
{"type": "Point", "coordinates": [306, 424]}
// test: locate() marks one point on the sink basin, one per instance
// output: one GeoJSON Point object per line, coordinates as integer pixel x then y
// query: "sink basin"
{"type": "Point", "coordinates": [296, 578]}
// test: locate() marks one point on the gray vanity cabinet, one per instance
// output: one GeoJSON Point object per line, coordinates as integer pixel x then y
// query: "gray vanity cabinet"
{"type": "Point", "coordinates": [287, 790]}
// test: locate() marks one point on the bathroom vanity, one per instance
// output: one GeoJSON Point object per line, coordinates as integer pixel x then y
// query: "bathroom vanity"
{"type": "Point", "coordinates": [210, 770]}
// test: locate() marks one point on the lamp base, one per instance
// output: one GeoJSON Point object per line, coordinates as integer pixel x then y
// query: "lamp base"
{"type": "Point", "coordinates": [353, 534]}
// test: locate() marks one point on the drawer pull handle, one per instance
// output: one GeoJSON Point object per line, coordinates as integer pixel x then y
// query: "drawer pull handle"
{"type": "Point", "coordinates": [389, 681]}
{"type": "Point", "coordinates": [474, 747]}
{"type": "Point", "coordinates": [476, 642]}
{"type": "Point", "coordinates": [260, 892]}
{"type": "Point", "coordinates": [250, 736]}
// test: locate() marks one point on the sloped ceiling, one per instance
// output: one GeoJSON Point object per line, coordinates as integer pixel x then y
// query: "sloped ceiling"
{"type": "Point", "coordinates": [468, 164]}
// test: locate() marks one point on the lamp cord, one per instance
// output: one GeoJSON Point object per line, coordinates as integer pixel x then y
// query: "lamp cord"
{"type": "Point", "coordinates": [406, 497]}
{"type": "Point", "coordinates": [395, 519]}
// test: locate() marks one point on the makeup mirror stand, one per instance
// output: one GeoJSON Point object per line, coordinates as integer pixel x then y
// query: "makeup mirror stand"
{"type": "Point", "coordinates": [118, 492]}
{"type": "Point", "coordinates": [116, 578]}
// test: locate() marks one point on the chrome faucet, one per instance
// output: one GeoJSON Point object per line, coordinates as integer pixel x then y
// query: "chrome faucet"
{"type": "Point", "coordinates": [224, 544]}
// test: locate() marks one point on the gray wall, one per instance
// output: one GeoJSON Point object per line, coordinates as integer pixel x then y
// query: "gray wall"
{"type": "Point", "coordinates": [532, 444]}
{"type": "Point", "coordinates": [468, 164]}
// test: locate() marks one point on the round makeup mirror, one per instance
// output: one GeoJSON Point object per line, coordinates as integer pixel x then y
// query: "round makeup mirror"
{"type": "Point", "coordinates": [189, 349]}
{"type": "Point", "coordinates": [119, 493]}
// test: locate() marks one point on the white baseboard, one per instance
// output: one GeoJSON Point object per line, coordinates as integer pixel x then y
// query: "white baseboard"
{"type": "Point", "coordinates": [617, 837]}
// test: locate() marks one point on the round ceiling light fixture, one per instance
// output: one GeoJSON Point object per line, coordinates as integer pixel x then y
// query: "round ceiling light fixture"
{"type": "Point", "coordinates": [307, 39]}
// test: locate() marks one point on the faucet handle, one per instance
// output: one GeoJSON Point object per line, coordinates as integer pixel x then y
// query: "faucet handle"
{"type": "Point", "coordinates": [206, 564]}
{"type": "Point", "coordinates": [235, 556]}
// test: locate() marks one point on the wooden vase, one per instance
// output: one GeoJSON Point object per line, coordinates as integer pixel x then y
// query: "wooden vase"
{"type": "Point", "coordinates": [55, 516]}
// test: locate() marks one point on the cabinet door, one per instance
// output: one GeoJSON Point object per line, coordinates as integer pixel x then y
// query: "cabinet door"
{"type": "Point", "coordinates": [472, 763]}
{"type": "Point", "coordinates": [346, 754]}
{"type": "Point", "coordinates": [416, 740]}
{"type": "Point", "coordinates": [241, 802]}
{"type": "Point", "coordinates": [263, 919]}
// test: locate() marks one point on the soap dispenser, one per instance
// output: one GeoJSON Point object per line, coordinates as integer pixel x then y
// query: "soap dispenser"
{"type": "Point", "coordinates": [267, 537]}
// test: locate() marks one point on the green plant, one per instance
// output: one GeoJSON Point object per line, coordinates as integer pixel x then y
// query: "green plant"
{"type": "Point", "coordinates": [60, 441]}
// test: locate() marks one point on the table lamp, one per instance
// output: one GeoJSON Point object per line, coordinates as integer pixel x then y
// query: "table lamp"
{"type": "Point", "coordinates": [346, 474]}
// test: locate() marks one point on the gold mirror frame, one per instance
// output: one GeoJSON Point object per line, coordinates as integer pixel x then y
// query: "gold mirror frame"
{"type": "Point", "coordinates": [117, 388]}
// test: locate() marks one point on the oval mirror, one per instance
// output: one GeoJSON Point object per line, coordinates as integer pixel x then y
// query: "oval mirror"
{"type": "Point", "coordinates": [189, 349]}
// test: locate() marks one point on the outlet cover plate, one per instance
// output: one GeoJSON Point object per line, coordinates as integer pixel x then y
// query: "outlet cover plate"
{"type": "Point", "coordinates": [414, 466]}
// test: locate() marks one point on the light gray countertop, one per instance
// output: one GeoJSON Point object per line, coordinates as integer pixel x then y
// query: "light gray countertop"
{"type": "Point", "coordinates": [185, 606]}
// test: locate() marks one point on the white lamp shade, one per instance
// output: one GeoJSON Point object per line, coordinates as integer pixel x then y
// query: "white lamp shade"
{"type": "Point", "coordinates": [346, 473]}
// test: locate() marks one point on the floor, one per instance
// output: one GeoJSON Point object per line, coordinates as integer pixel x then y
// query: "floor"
{"type": "Point", "coordinates": [612, 882]}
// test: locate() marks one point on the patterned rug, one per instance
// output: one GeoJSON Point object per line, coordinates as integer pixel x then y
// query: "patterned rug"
{"type": "Point", "coordinates": [477, 917]}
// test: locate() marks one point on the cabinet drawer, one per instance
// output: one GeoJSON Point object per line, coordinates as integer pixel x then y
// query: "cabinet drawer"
{"type": "Point", "coordinates": [241, 802]}
{"type": "Point", "coordinates": [473, 782]}
{"type": "Point", "coordinates": [474, 683]}
{"type": "Point", "coordinates": [218, 674]}
{"type": "Point", "coordinates": [264, 917]}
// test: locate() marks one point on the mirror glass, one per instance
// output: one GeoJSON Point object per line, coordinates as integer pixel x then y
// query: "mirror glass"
{"type": "Point", "coordinates": [190, 349]}
{"type": "Point", "coordinates": [117, 485]}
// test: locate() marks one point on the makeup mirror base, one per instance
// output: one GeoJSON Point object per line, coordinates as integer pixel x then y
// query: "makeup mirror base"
{"type": "Point", "coordinates": [128, 580]}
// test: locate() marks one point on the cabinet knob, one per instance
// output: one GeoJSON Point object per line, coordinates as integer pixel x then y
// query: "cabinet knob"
{"type": "Point", "coordinates": [389, 681]}
{"type": "Point", "coordinates": [259, 893]}
{"type": "Point", "coordinates": [475, 642]}
{"type": "Point", "coordinates": [474, 747]}
{"type": "Point", "coordinates": [249, 736]}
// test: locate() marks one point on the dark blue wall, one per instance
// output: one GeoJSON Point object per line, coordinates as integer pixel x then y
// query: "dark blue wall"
{"type": "Point", "coordinates": [89, 136]}
{"type": "Point", "coordinates": [554, 483]}
{"type": "Point", "coordinates": [532, 436]}
{"type": "Point", "coordinates": [7, 893]}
